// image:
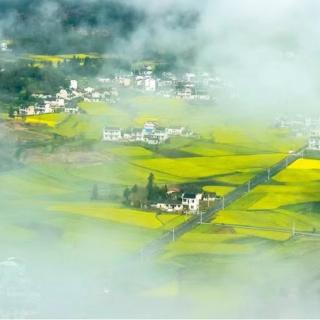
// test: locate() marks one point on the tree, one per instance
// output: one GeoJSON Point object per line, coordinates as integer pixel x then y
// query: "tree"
{"type": "Point", "coordinates": [11, 112]}
{"type": "Point", "coordinates": [150, 186]}
{"type": "Point", "coordinates": [95, 192]}
{"type": "Point", "coordinates": [126, 194]}
{"type": "Point", "coordinates": [134, 189]}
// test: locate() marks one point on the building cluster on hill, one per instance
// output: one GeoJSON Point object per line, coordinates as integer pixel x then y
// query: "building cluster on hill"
{"type": "Point", "coordinates": [303, 127]}
{"type": "Point", "coordinates": [66, 100]}
{"type": "Point", "coordinates": [188, 86]}
{"type": "Point", "coordinates": [151, 133]}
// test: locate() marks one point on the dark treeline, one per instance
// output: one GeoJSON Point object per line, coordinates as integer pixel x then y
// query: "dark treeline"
{"type": "Point", "coordinates": [137, 196]}
{"type": "Point", "coordinates": [18, 81]}
{"type": "Point", "coordinates": [66, 26]}
{"type": "Point", "coordinates": [73, 26]}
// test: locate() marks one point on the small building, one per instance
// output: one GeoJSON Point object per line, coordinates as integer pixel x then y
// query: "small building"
{"type": "Point", "coordinates": [191, 201]}
{"type": "Point", "coordinates": [314, 143]}
{"type": "Point", "coordinates": [175, 131]}
{"type": "Point", "coordinates": [27, 111]}
{"type": "Point", "coordinates": [74, 85]}
{"type": "Point", "coordinates": [4, 46]}
{"type": "Point", "coordinates": [150, 84]}
{"type": "Point", "coordinates": [71, 109]}
{"type": "Point", "coordinates": [62, 94]}
{"type": "Point", "coordinates": [89, 90]}
{"type": "Point", "coordinates": [133, 134]}
{"type": "Point", "coordinates": [112, 134]}
{"type": "Point", "coordinates": [169, 206]}
{"type": "Point", "coordinates": [149, 127]}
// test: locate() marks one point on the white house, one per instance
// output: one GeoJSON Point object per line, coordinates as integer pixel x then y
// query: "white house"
{"type": "Point", "coordinates": [175, 131]}
{"type": "Point", "coordinates": [186, 93]}
{"type": "Point", "coordinates": [112, 134]}
{"type": "Point", "coordinates": [3, 46]}
{"type": "Point", "coordinates": [149, 127]}
{"type": "Point", "coordinates": [168, 206]}
{"type": "Point", "coordinates": [139, 81]}
{"type": "Point", "coordinates": [71, 109]}
{"type": "Point", "coordinates": [63, 94]}
{"type": "Point", "coordinates": [104, 80]}
{"type": "Point", "coordinates": [74, 85]}
{"type": "Point", "coordinates": [157, 136]}
{"type": "Point", "coordinates": [96, 95]}
{"type": "Point", "coordinates": [190, 77]}
{"type": "Point", "coordinates": [133, 135]}
{"type": "Point", "coordinates": [28, 111]}
{"type": "Point", "coordinates": [314, 143]}
{"type": "Point", "coordinates": [191, 201]}
{"type": "Point", "coordinates": [150, 84]}
{"type": "Point", "coordinates": [88, 90]}
{"type": "Point", "coordinates": [60, 102]}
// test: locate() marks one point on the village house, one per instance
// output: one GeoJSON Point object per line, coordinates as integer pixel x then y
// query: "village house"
{"type": "Point", "coordinates": [170, 206]}
{"type": "Point", "coordinates": [150, 84]}
{"type": "Point", "coordinates": [112, 134]}
{"type": "Point", "coordinates": [74, 85]}
{"type": "Point", "coordinates": [63, 94]}
{"type": "Point", "coordinates": [104, 80]}
{"type": "Point", "coordinates": [314, 143]}
{"type": "Point", "coordinates": [71, 108]}
{"type": "Point", "coordinates": [4, 46]}
{"type": "Point", "coordinates": [187, 202]}
{"type": "Point", "coordinates": [133, 134]}
{"type": "Point", "coordinates": [27, 111]}
{"type": "Point", "coordinates": [175, 131]}
{"type": "Point", "coordinates": [191, 201]}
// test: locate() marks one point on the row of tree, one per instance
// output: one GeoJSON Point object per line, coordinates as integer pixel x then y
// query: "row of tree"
{"type": "Point", "coordinates": [138, 195]}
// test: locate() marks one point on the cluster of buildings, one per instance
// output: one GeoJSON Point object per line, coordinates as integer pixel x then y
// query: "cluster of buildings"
{"type": "Point", "coordinates": [303, 127]}
{"type": "Point", "coordinates": [187, 202]}
{"type": "Point", "coordinates": [151, 133]}
{"type": "Point", "coordinates": [66, 100]}
{"type": "Point", "coordinates": [189, 86]}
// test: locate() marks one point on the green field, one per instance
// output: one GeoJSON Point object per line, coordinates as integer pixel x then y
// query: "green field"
{"type": "Point", "coordinates": [47, 207]}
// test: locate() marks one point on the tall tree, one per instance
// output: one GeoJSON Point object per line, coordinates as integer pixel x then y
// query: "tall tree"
{"type": "Point", "coordinates": [126, 194]}
{"type": "Point", "coordinates": [150, 186]}
{"type": "Point", "coordinates": [95, 192]}
{"type": "Point", "coordinates": [11, 112]}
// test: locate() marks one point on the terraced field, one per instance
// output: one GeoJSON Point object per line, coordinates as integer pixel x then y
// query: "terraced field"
{"type": "Point", "coordinates": [291, 198]}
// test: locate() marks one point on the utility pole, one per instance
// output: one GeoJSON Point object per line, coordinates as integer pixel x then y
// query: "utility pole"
{"type": "Point", "coordinates": [268, 173]}
{"type": "Point", "coordinates": [249, 185]}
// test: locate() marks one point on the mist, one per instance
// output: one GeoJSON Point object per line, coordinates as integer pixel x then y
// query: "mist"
{"type": "Point", "coordinates": [267, 52]}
